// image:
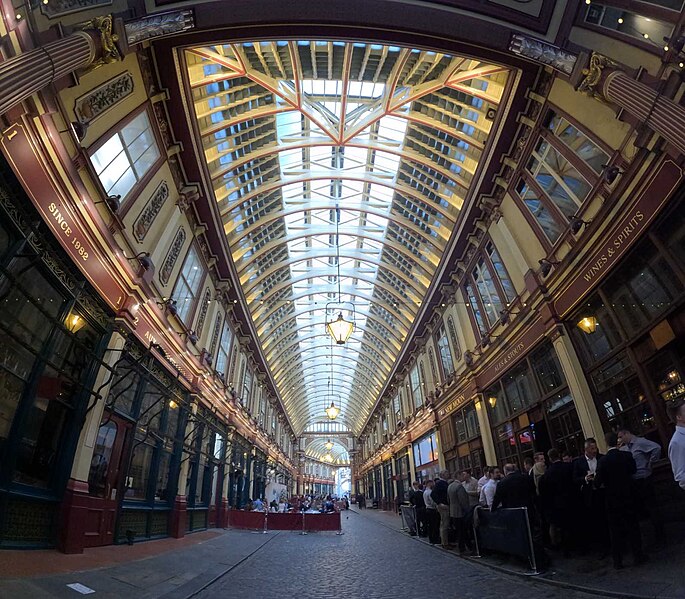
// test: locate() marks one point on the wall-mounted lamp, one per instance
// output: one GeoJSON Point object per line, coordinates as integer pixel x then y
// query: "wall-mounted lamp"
{"type": "Point", "coordinates": [546, 266]}
{"type": "Point", "coordinates": [169, 306]}
{"type": "Point", "coordinates": [76, 128]}
{"type": "Point", "coordinates": [144, 260]}
{"type": "Point", "coordinates": [492, 400]}
{"type": "Point", "coordinates": [112, 203]}
{"type": "Point", "coordinates": [588, 324]}
{"type": "Point", "coordinates": [505, 316]}
{"type": "Point", "coordinates": [610, 173]}
{"type": "Point", "coordinates": [576, 224]}
{"type": "Point", "coordinates": [74, 322]}
{"type": "Point", "coordinates": [172, 404]}
{"type": "Point", "coordinates": [192, 337]}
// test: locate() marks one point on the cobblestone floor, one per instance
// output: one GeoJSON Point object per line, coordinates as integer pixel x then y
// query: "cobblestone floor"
{"type": "Point", "coordinates": [372, 560]}
{"type": "Point", "coordinates": [369, 561]}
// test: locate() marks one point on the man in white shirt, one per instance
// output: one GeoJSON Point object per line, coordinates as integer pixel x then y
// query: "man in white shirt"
{"type": "Point", "coordinates": [676, 448]}
{"type": "Point", "coordinates": [487, 471]}
{"type": "Point", "coordinates": [432, 516]}
{"type": "Point", "coordinates": [645, 453]}
{"type": "Point", "coordinates": [470, 485]}
{"type": "Point", "coordinates": [487, 493]}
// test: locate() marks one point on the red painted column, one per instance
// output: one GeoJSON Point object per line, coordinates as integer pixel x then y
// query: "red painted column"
{"type": "Point", "coordinates": [73, 518]}
{"type": "Point", "coordinates": [179, 518]}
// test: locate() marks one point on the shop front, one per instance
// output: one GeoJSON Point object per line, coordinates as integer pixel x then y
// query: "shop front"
{"type": "Point", "coordinates": [54, 333]}
{"type": "Point", "coordinates": [402, 476]}
{"type": "Point", "coordinates": [137, 454]}
{"type": "Point", "coordinates": [239, 477]}
{"type": "Point", "coordinates": [530, 407]}
{"type": "Point", "coordinates": [629, 333]}
{"type": "Point", "coordinates": [426, 462]}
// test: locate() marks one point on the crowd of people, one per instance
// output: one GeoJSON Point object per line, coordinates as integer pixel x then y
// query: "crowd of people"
{"type": "Point", "coordinates": [324, 504]}
{"type": "Point", "coordinates": [593, 502]}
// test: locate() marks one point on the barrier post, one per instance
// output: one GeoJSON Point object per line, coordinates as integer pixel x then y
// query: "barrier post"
{"type": "Point", "coordinates": [304, 532]}
{"type": "Point", "coordinates": [532, 560]}
{"type": "Point", "coordinates": [475, 532]}
{"type": "Point", "coordinates": [266, 514]}
{"type": "Point", "coordinates": [340, 530]}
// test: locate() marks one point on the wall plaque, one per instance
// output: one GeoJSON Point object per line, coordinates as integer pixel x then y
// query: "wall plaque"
{"type": "Point", "coordinates": [159, 25]}
{"type": "Point", "coordinates": [172, 255]}
{"type": "Point", "coordinates": [99, 100]}
{"type": "Point", "coordinates": [148, 214]}
{"type": "Point", "coordinates": [543, 53]}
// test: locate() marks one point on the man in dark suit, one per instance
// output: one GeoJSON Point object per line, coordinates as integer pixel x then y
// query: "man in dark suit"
{"type": "Point", "coordinates": [615, 473]}
{"type": "Point", "coordinates": [556, 494]}
{"type": "Point", "coordinates": [514, 490]}
{"type": "Point", "coordinates": [517, 490]}
{"type": "Point", "coordinates": [590, 513]}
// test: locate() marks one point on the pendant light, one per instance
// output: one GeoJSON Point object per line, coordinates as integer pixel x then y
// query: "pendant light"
{"type": "Point", "coordinates": [339, 329]}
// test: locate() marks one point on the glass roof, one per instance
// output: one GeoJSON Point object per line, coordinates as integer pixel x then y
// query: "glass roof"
{"type": "Point", "coordinates": [339, 170]}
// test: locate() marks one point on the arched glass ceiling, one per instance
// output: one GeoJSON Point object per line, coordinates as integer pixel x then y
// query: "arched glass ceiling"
{"type": "Point", "coordinates": [316, 450]}
{"type": "Point", "coordinates": [333, 157]}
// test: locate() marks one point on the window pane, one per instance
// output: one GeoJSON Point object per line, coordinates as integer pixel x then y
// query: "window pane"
{"type": "Point", "coordinates": [145, 162]}
{"type": "Point", "coordinates": [502, 275]}
{"type": "Point", "coordinates": [445, 352]}
{"type": "Point", "coordinates": [42, 432]}
{"type": "Point", "coordinates": [107, 153]}
{"type": "Point", "coordinates": [545, 218]}
{"type": "Point", "coordinates": [124, 185]}
{"type": "Point", "coordinates": [133, 129]}
{"type": "Point", "coordinates": [642, 288]}
{"type": "Point", "coordinates": [496, 403]}
{"type": "Point", "coordinates": [547, 368]}
{"type": "Point", "coordinates": [473, 304]}
{"type": "Point", "coordinates": [11, 389]}
{"type": "Point", "coordinates": [162, 487]}
{"type": "Point", "coordinates": [116, 172]}
{"type": "Point", "coordinates": [520, 389]}
{"type": "Point", "coordinates": [578, 142]}
{"type": "Point", "coordinates": [595, 345]}
{"type": "Point", "coordinates": [139, 472]}
{"type": "Point", "coordinates": [102, 457]}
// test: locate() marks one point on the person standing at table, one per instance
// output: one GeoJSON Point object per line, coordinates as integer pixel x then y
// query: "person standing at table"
{"type": "Point", "coordinates": [432, 516]}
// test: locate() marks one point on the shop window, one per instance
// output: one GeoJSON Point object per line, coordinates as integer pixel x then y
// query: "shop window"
{"type": "Point", "coordinates": [139, 470]}
{"type": "Point", "coordinates": [445, 352]}
{"type": "Point", "coordinates": [520, 389]}
{"type": "Point", "coordinates": [620, 398]}
{"type": "Point", "coordinates": [547, 369]}
{"type": "Point", "coordinates": [671, 232]}
{"type": "Point", "coordinates": [642, 288]}
{"type": "Point", "coordinates": [603, 339]}
{"type": "Point", "coordinates": [124, 159]}
{"type": "Point", "coordinates": [188, 285]}
{"type": "Point", "coordinates": [497, 403]}
{"type": "Point", "coordinates": [466, 423]}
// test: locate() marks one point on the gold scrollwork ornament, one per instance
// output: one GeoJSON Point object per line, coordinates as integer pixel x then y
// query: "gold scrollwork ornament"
{"type": "Point", "coordinates": [593, 75]}
{"type": "Point", "coordinates": [109, 51]}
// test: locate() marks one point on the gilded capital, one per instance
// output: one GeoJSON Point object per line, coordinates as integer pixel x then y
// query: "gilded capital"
{"type": "Point", "coordinates": [101, 28]}
{"type": "Point", "coordinates": [593, 75]}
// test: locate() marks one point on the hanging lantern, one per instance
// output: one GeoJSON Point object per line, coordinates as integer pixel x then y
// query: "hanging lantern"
{"type": "Point", "coordinates": [340, 329]}
{"type": "Point", "coordinates": [492, 401]}
{"type": "Point", "coordinates": [74, 322]}
{"type": "Point", "coordinates": [328, 457]}
{"type": "Point", "coordinates": [329, 445]}
{"type": "Point", "coordinates": [332, 411]}
{"type": "Point", "coordinates": [588, 324]}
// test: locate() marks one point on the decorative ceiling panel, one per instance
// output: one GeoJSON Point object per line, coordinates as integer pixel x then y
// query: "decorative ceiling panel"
{"type": "Point", "coordinates": [339, 170]}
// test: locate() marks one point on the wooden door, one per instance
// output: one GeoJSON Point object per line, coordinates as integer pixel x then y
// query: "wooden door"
{"type": "Point", "coordinates": [105, 479]}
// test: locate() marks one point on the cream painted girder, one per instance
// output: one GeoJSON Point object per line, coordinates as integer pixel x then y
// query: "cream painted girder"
{"type": "Point", "coordinates": [334, 157]}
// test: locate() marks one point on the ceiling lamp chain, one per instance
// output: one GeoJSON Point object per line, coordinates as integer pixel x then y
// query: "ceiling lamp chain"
{"type": "Point", "coordinates": [339, 329]}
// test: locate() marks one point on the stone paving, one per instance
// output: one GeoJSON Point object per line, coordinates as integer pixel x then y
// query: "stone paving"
{"type": "Point", "coordinates": [372, 560]}
{"type": "Point", "coordinates": [369, 561]}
